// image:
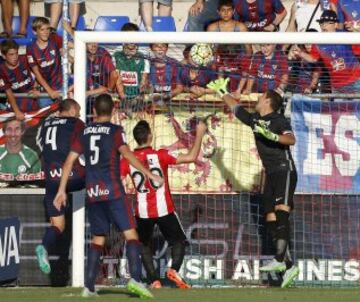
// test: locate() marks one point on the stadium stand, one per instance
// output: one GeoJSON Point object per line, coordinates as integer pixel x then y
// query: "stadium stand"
{"type": "Point", "coordinates": [161, 23]}
{"type": "Point", "coordinates": [110, 23]}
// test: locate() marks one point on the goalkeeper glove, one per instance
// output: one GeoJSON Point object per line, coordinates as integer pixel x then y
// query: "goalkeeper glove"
{"type": "Point", "coordinates": [262, 129]}
{"type": "Point", "coordinates": [219, 86]}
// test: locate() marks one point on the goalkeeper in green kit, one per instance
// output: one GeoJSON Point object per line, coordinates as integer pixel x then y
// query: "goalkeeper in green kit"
{"type": "Point", "coordinates": [273, 136]}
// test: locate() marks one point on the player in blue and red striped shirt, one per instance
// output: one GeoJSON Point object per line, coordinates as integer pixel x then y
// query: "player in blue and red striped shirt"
{"type": "Point", "coordinates": [56, 135]}
{"type": "Point", "coordinates": [16, 77]}
{"type": "Point", "coordinates": [102, 143]}
{"type": "Point", "coordinates": [44, 58]}
{"type": "Point", "coordinates": [268, 70]}
{"type": "Point", "coordinates": [260, 15]}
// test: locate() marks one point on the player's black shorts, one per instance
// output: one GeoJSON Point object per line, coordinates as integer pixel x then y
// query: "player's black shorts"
{"type": "Point", "coordinates": [169, 226]}
{"type": "Point", "coordinates": [51, 188]}
{"type": "Point", "coordinates": [103, 213]}
{"type": "Point", "coordinates": [279, 189]}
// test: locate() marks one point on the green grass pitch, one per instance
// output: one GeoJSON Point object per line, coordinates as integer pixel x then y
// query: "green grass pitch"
{"type": "Point", "coordinates": [193, 295]}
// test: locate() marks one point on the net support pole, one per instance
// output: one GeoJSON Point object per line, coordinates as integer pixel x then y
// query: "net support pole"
{"type": "Point", "coordinates": [78, 240]}
{"type": "Point", "coordinates": [65, 56]}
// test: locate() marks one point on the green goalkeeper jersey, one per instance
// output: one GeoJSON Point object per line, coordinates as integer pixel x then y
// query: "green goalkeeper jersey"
{"type": "Point", "coordinates": [131, 70]}
{"type": "Point", "coordinates": [25, 162]}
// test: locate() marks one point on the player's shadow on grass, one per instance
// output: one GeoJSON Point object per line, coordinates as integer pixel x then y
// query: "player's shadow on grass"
{"type": "Point", "coordinates": [116, 291]}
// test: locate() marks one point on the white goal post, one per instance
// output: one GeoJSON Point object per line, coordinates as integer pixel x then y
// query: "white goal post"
{"type": "Point", "coordinates": [81, 38]}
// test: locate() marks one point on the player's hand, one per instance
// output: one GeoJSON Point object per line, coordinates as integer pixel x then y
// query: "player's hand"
{"type": "Point", "coordinates": [352, 25]}
{"type": "Point", "coordinates": [60, 200]}
{"type": "Point", "coordinates": [263, 129]}
{"type": "Point", "coordinates": [156, 178]}
{"type": "Point", "coordinates": [201, 127]}
{"type": "Point", "coordinates": [196, 8]}
{"type": "Point", "coordinates": [219, 86]}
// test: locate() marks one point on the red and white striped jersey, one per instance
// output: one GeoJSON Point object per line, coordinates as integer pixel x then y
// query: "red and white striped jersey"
{"type": "Point", "coordinates": [152, 201]}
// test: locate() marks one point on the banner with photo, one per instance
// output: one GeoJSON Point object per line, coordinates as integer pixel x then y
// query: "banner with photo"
{"type": "Point", "coordinates": [327, 151]}
{"type": "Point", "coordinates": [20, 162]}
{"type": "Point", "coordinates": [228, 160]}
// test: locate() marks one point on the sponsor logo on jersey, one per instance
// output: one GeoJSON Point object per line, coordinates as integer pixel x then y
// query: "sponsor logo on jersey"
{"type": "Point", "coordinates": [97, 191]}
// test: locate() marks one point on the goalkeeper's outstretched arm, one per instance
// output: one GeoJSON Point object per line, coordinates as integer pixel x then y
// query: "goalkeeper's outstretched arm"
{"type": "Point", "coordinates": [220, 87]}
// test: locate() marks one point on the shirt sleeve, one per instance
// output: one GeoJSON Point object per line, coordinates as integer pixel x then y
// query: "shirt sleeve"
{"type": "Point", "coordinates": [124, 168]}
{"type": "Point", "coordinates": [254, 65]}
{"type": "Point", "coordinates": [285, 126]}
{"type": "Point", "coordinates": [119, 137]}
{"type": "Point", "coordinates": [4, 83]}
{"type": "Point", "coordinates": [278, 6]}
{"type": "Point", "coordinates": [77, 144]}
{"type": "Point", "coordinates": [243, 115]}
{"type": "Point", "coordinates": [146, 66]}
{"type": "Point", "coordinates": [57, 39]}
{"type": "Point", "coordinates": [167, 157]}
{"type": "Point", "coordinates": [78, 129]}
{"type": "Point", "coordinates": [29, 55]}
{"type": "Point", "coordinates": [315, 53]}
{"type": "Point", "coordinates": [108, 65]}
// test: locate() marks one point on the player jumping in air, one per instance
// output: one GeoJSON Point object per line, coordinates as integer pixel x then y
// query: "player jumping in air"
{"type": "Point", "coordinates": [102, 143]}
{"type": "Point", "coordinates": [55, 139]}
{"type": "Point", "coordinates": [273, 136]}
{"type": "Point", "coordinates": [154, 205]}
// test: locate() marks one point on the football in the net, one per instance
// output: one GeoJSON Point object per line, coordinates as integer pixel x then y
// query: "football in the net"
{"type": "Point", "coordinates": [201, 54]}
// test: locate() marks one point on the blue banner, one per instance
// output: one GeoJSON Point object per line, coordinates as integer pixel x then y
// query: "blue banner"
{"type": "Point", "coordinates": [9, 249]}
{"type": "Point", "coordinates": [327, 150]}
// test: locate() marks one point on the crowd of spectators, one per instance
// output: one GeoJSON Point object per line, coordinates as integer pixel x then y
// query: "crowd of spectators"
{"type": "Point", "coordinates": [130, 72]}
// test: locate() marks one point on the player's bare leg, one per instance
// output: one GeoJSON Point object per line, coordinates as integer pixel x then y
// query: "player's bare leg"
{"type": "Point", "coordinates": [133, 250]}
{"type": "Point", "coordinates": [51, 235]}
{"type": "Point", "coordinates": [146, 12]}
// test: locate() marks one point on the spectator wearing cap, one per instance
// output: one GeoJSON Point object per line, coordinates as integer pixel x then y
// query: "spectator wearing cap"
{"type": "Point", "coordinates": [339, 60]}
{"type": "Point", "coordinates": [304, 14]}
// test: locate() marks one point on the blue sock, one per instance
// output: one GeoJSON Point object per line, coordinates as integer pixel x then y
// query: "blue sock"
{"type": "Point", "coordinates": [51, 235]}
{"type": "Point", "coordinates": [133, 250]}
{"type": "Point", "coordinates": [93, 266]}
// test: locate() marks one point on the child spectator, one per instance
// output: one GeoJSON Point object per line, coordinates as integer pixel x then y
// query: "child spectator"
{"type": "Point", "coordinates": [195, 78]}
{"type": "Point", "coordinates": [132, 68]}
{"type": "Point", "coordinates": [164, 72]}
{"type": "Point", "coordinates": [16, 77]}
{"type": "Point", "coordinates": [44, 57]}
{"type": "Point", "coordinates": [226, 22]}
{"type": "Point", "coordinates": [101, 73]}
{"type": "Point", "coordinates": [268, 70]}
